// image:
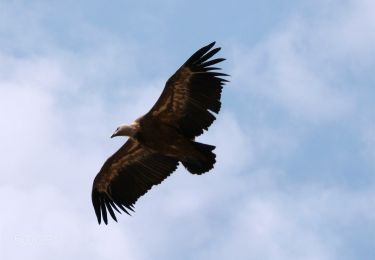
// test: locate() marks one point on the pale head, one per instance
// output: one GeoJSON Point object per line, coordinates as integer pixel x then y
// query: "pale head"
{"type": "Point", "coordinates": [126, 130]}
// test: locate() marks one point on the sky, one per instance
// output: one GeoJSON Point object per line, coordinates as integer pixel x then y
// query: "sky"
{"type": "Point", "coordinates": [295, 138]}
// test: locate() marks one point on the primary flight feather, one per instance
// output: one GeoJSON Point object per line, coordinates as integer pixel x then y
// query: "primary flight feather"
{"type": "Point", "coordinates": [163, 137]}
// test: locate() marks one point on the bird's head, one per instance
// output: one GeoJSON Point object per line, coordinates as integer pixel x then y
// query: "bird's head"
{"type": "Point", "coordinates": [126, 130]}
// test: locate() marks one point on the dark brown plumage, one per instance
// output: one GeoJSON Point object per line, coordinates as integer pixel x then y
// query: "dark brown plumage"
{"type": "Point", "coordinates": [163, 137]}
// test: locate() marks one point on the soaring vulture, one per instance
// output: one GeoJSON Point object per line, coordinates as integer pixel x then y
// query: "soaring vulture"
{"type": "Point", "coordinates": [163, 137]}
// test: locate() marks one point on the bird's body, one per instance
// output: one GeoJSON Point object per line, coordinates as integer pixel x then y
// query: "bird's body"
{"type": "Point", "coordinates": [163, 137]}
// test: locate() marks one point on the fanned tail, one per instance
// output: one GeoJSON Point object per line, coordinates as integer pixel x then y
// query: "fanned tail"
{"type": "Point", "coordinates": [203, 161]}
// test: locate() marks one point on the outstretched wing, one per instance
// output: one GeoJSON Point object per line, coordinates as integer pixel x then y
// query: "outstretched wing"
{"type": "Point", "coordinates": [126, 176]}
{"type": "Point", "coordinates": [192, 95]}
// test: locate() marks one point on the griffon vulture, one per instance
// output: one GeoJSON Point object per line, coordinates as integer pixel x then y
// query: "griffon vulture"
{"type": "Point", "coordinates": [163, 137]}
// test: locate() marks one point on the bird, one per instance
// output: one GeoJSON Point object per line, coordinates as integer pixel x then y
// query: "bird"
{"type": "Point", "coordinates": [163, 137]}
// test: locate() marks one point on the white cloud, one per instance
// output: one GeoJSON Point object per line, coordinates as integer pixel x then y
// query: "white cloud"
{"type": "Point", "coordinates": [298, 225]}
{"type": "Point", "coordinates": [349, 37]}
{"type": "Point", "coordinates": [302, 67]}
{"type": "Point", "coordinates": [42, 222]}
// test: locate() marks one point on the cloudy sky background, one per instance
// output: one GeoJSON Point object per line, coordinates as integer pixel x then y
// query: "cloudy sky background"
{"type": "Point", "coordinates": [295, 138]}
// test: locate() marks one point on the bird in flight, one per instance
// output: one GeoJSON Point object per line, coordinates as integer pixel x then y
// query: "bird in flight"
{"type": "Point", "coordinates": [163, 137]}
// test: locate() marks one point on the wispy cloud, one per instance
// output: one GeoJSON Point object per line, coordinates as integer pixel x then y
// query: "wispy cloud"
{"type": "Point", "coordinates": [283, 70]}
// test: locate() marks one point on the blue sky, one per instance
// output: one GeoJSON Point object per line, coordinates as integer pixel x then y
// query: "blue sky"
{"type": "Point", "coordinates": [295, 138]}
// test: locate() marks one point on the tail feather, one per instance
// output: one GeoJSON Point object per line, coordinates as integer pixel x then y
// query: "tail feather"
{"type": "Point", "coordinates": [203, 161]}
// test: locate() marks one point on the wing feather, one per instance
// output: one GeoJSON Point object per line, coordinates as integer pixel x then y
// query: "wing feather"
{"type": "Point", "coordinates": [192, 94]}
{"type": "Point", "coordinates": [126, 176]}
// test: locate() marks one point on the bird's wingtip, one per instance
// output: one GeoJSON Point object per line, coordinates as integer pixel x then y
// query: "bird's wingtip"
{"type": "Point", "coordinates": [212, 44]}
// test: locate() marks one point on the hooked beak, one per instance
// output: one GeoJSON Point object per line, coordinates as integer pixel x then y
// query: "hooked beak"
{"type": "Point", "coordinates": [116, 133]}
